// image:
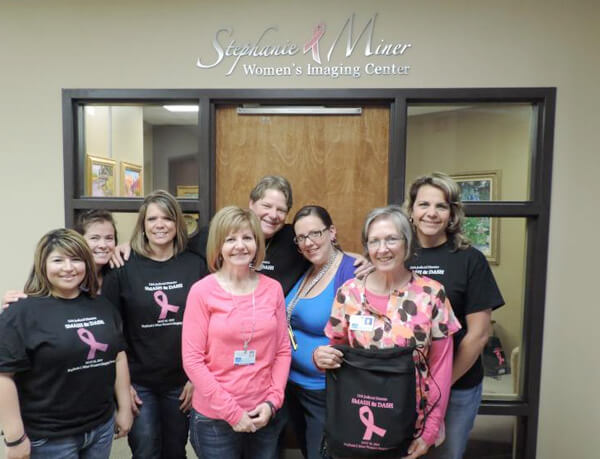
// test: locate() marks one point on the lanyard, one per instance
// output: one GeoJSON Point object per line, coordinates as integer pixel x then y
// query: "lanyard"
{"type": "Point", "coordinates": [300, 292]}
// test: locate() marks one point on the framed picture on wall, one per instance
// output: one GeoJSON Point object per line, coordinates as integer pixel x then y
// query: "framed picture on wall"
{"type": "Point", "coordinates": [131, 180]}
{"type": "Point", "coordinates": [100, 177]}
{"type": "Point", "coordinates": [483, 232]}
{"type": "Point", "coordinates": [187, 191]}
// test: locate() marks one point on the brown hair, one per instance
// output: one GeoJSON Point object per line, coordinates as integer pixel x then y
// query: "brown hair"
{"type": "Point", "coordinates": [70, 243]}
{"type": "Point", "coordinates": [451, 191]}
{"type": "Point", "coordinates": [169, 205]}
{"type": "Point", "coordinates": [91, 216]}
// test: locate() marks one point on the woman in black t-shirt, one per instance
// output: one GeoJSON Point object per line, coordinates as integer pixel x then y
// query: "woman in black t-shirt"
{"type": "Point", "coordinates": [61, 359]}
{"type": "Point", "coordinates": [150, 291]}
{"type": "Point", "coordinates": [445, 254]}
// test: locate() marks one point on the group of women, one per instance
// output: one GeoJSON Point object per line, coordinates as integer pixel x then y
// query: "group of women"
{"type": "Point", "coordinates": [226, 356]}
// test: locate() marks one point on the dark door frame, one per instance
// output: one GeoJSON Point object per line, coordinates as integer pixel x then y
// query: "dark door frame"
{"type": "Point", "coordinates": [536, 209]}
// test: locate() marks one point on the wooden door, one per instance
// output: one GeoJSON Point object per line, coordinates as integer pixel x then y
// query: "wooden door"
{"type": "Point", "coordinates": [339, 162]}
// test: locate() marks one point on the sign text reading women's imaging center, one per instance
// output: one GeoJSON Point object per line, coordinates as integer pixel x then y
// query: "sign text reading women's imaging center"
{"type": "Point", "coordinates": [235, 52]}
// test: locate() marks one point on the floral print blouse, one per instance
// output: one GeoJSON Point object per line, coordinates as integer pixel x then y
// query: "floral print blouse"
{"type": "Point", "coordinates": [415, 316]}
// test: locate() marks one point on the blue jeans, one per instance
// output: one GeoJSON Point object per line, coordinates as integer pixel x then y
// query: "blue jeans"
{"type": "Point", "coordinates": [94, 444]}
{"type": "Point", "coordinates": [214, 438]}
{"type": "Point", "coordinates": [160, 430]}
{"type": "Point", "coordinates": [460, 417]}
{"type": "Point", "coordinates": [306, 411]}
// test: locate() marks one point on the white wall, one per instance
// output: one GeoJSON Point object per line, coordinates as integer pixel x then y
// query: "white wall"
{"type": "Point", "coordinates": [47, 46]}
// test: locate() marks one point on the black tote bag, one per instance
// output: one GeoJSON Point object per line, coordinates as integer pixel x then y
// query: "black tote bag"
{"type": "Point", "coordinates": [371, 403]}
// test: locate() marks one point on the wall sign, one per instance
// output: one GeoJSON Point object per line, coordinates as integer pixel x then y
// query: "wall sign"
{"type": "Point", "coordinates": [323, 48]}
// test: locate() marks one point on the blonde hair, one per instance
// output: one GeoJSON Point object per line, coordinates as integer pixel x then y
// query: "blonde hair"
{"type": "Point", "coordinates": [451, 191]}
{"type": "Point", "coordinates": [70, 243]}
{"type": "Point", "coordinates": [225, 221]}
{"type": "Point", "coordinates": [169, 205]}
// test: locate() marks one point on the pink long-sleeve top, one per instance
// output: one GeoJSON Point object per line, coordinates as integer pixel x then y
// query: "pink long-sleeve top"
{"type": "Point", "coordinates": [421, 315]}
{"type": "Point", "coordinates": [215, 325]}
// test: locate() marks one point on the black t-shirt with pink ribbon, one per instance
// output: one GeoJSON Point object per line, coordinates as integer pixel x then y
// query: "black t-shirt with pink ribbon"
{"type": "Point", "coordinates": [151, 297]}
{"type": "Point", "coordinates": [62, 353]}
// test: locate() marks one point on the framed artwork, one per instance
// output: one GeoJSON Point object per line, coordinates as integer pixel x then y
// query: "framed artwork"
{"type": "Point", "coordinates": [187, 191]}
{"type": "Point", "coordinates": [100, 177]}
{"type": "Point", "coordinates": [131, 180]}
{"type": "Point", "coordinates": [191, 223]}
{"type": "Point", "coordinates": [483, 232]}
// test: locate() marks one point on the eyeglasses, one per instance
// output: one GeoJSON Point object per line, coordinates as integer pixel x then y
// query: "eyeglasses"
{"type": "Point", "coordinates": [390, 242]}
{"type": "Point", "coordinates": [312, 235]}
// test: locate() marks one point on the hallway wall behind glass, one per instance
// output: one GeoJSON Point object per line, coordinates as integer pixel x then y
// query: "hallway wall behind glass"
{"type": "Point", "coordinates": [486, 148]}
{"type": "Point", "coordinates": [130, 150]}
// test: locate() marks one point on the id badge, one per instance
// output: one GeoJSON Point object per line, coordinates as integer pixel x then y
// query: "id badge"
{"type": "Point", "coordinates": [247, 357]}
{"type": "Point", "coordinates": [361, 323]}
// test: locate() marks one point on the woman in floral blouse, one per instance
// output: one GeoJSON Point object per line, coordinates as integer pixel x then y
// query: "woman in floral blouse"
{"type": "Point", "coordinates": [406, 310]}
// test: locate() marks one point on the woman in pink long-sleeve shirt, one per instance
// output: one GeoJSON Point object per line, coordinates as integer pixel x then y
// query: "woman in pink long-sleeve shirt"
{"type": "Point", "coordinates": [235, 345]}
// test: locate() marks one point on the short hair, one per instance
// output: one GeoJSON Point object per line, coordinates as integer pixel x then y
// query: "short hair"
{"type": "Point", "coordinates": [451, 191]}
{"type": "Point", "coordinates": [396, 215]}
{"type": "Point", "coordinates": [225, 221]}
{"type": "Point", "coordinates": [319, 212]}
{"type": "Point", "coordinates": [89, 217]}
{"type": "Point", "coordinates": [72, 244]}
{"type": "Point", "coordinates": [169, 205]}
{"type": "Point", "coordinates": [273, 182]}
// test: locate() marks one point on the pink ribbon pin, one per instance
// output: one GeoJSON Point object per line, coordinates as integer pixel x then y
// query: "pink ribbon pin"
{"type": "Point", "coordinates": [313, 43]}
{"type": "Point", "coordinates": [161, 299]}
{"type": "Point", "coordinates": [366, 417]}
{"type": "Point", "coordinates": [88, 338]}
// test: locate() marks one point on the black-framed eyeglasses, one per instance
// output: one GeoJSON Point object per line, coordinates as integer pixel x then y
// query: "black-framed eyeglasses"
{"type": "Point", "coordinates": [312, 235]}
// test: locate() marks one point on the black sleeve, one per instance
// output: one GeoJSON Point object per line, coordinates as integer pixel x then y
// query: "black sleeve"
{"type": "Point", "coordinates": [482, 290]}
{"type": "Point", "coordinates": [197, 243]}
{"type": "Point", "coordinates": [13, 355]}
{"type": "Point", "coordinates": [111, 288]}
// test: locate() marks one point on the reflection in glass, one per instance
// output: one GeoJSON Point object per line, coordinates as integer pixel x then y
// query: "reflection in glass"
{"type": "Point", "coordinates": [486, 147]}
{"type": "Point", "coordinates": [503, 356]}
{"type": "Point", "coordinates": [129, 150]}
{"type": "Point", "coordinates": [491, 437]}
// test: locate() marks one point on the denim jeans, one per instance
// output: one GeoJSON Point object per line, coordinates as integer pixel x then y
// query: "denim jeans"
{"type": "Point", "coordinates": [160, 430]}
{"type": "Point", "coordinates": [94, 444]}
{"type": "Point", "coordinates": [214, 438]}
{"type": "Point", "coordinates": [460, 417]}
{"type": "Point", "coordinates": [306, 411]}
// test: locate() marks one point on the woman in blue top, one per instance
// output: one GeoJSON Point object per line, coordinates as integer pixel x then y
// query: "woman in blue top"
{"type": "Point", "coordinates": [308, 307]}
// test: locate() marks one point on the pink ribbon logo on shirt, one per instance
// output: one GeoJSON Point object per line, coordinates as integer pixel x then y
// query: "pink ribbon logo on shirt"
{"type": "Point", "coordinates": [367, 418]}
{"type": "Point", "coordinates": [161, 299]}
{"type": "Point", "coordinates": [88, 338]}
{"type": "Point", "coordinates": [313, 43]}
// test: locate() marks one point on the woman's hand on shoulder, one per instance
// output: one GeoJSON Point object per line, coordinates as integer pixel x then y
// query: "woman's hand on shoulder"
{"type": "Point", "coordinates": [327, 358]}
{"type": "Point", "coordinates": [417, 448]}
{"type": "Point", "coordinates": [12, 296]}
{"type": "Point", "coordinates": [120, 255]}
{"type": "Point", "coordinates": [362, 266]}
{"type": "Point", "coordinates": [245, 424]}
{"type": "Point", "coordinates": [20, 451]}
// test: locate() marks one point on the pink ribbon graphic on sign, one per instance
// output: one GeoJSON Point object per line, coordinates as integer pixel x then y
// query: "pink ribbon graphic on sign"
{"type": "Point", "coordinates": [498, 353]}
{"type": "Point", "coordinates": [88, 338]}
{"type": "Point", "coordinates": [161, 299]}
{"type": "Point", "coordinates": [313, 43]}
{"type": "Point", "coordinates": [366, 417]}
